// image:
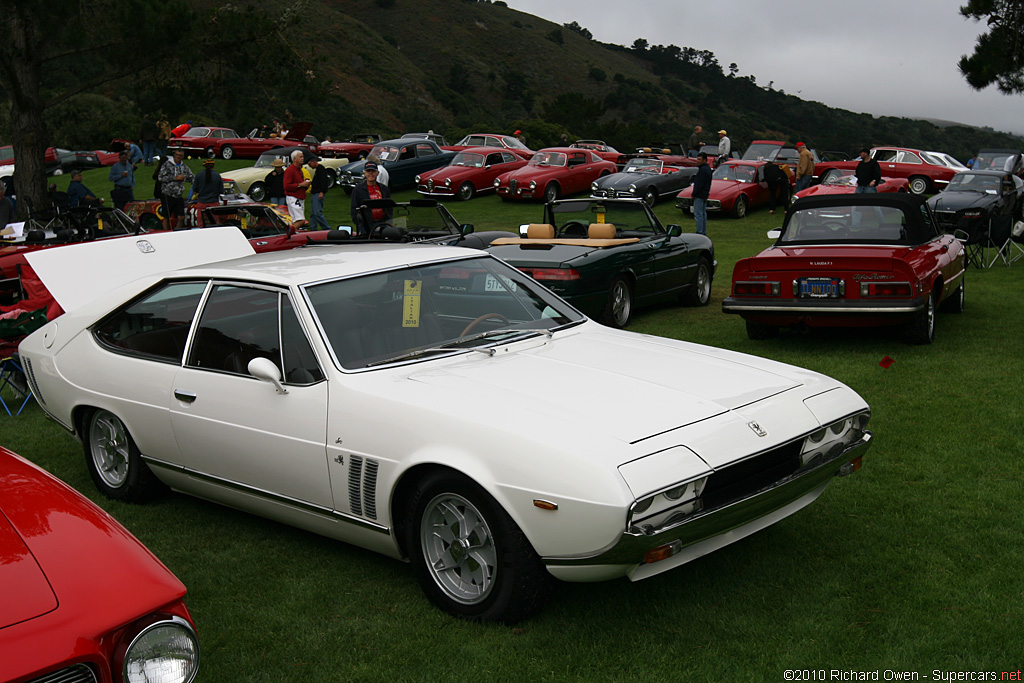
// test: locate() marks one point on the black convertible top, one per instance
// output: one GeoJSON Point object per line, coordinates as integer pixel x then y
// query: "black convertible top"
{"type": "Point", "coordinates": [878, 218]}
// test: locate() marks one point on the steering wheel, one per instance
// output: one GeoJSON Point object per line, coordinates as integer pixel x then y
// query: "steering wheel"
{"type": "Point", "coordinates": [838, 229]}
{"type": "Point", "coordinates": [485, 316]}
{"type": "Point", "coordinates": [374, 233]}
{"type": "Point", "coordinates": [574, 229]}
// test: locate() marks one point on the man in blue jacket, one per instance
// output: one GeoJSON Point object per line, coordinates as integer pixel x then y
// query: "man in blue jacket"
{"type": "Point", "coordinates": [701, 190]}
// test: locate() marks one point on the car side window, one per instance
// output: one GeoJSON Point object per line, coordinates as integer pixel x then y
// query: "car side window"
{"type": "Point", "coordinates": [884, 155]}
{"type": "Point", "coordinates": [154, 326]}
{"type": "Point", "coordinates": [493, 159]}
{"type": "Point", "coordinates": [909, 158]}
{"type": "Point", "coordinates": [424, 151]}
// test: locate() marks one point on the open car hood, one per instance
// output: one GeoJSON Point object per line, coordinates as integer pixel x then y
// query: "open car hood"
{"type": "Point", "coordinates": [114, 262]}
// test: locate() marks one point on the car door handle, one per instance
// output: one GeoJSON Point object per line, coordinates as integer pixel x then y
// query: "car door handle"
{"type": "Point", "coordinates": [186, 396]}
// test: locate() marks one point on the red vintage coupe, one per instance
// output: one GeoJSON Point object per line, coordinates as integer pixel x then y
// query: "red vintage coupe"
{"type": "Point", "coordinates": [926, 172]}
{"type": "Point", "coordinates": [736, 186]}
{"type": "Point", "coordinates": [209, 141]}
{"type": "Point", "coordinates": [552, 173]}
{"type": "Point", "coordinates": [508, 142]}
{"type": "Point", "coordinates": [601, 149]}
{"type": "Point", "coordinates": [852, 261]}
{"type": "Point", "coordinates": [842, 181]}
{"type": "Point", "coordinates": [471, 172]}
{"type": "Point", "coordinates": [83, 599]}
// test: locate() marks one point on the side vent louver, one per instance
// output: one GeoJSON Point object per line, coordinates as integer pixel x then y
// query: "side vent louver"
{"type": "Point", "coordinates": [362, 486]}
{"type": "Point", "coordinates": [27, 365]}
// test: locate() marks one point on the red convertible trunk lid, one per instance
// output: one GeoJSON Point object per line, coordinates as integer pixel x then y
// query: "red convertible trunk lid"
{"type": "Point", "coordinates": [28, 593]}
{"type": "Point", "coordinates": [877, 259]}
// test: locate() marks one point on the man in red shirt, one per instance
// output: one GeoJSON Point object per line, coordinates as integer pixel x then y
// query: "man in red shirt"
{"type": "Point", "coordinates": [295, 185]}
{"type": "Point", "coordinates": [178, 131]}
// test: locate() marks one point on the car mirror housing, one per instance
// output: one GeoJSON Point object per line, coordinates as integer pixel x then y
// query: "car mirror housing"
{"type": "Point", "coordinates": [466, 229]}
{"type": "Point", "coordinates": [775, 234]}
{"type": "Point", "coordinates": [265, 370]}
{"type": "Point", "coordinates": [675, 230]}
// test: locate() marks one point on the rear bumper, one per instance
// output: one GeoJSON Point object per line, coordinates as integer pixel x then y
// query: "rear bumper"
{"type": "Point", "coordinates": [805, 307]}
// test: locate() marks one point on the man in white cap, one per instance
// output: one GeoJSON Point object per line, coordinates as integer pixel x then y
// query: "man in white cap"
{"type": "Point", "coordinates": [724, 145]}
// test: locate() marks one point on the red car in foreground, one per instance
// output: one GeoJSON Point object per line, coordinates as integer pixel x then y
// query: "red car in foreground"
{"type": "Point", "coordinates": [736, 187]}
{"type": "Point", "coordinates": [842, 181]}
{"type": "Point", "coordinates": [552, 173]}
{"type": "Point", "coordinates": [852, 261]}
{"type": "Point", "coordinates": [83, 599]}
{"type": "Point", "coordinates": [470, 173]}
{"type": "Point", "coordinates": [209, 141]}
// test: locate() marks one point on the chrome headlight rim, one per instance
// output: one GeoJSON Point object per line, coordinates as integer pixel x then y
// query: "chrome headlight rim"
{"type": "Point", "coordinates": [126, 653]}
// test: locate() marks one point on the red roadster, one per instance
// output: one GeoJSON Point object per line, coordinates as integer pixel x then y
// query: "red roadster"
{"type": "Point", "coordinates": [736, 186]}
{"type": "Point", "coordinates": [211, 142]}
{"type": "Point", "coordinates": [552, 173]}
{"type": "Point", "coordinates": [842, 181]}
{"type": "Point", "coordinates": [852, 261]}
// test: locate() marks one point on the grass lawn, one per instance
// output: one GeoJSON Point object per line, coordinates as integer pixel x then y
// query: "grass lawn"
{"type": "Point", "coordinates": [911, 564]}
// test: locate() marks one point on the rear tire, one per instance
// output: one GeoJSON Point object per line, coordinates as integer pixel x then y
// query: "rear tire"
{"type": "Point", "coordinates": [114, 461]}
{"type": "Point", "coordinates": [921, 330]}
{"type": "Point", "coordinates": [918, 185]}
{"type": "Point", "coordinates": [699, 293]}
{"type": "Point", "coordinates": [257, 192]}
{"type": "Point", "coordinates": [618, 309]}
{"type": "Point", "coordinates": [470, 557]}
{"type": "Point", "coordinates": [955, 303]}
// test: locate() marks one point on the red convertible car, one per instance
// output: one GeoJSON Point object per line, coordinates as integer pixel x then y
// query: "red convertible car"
{"type": "Point", "coordinates": [471, 172]}
{"type": "Point", "coordinates": [601, 149]}
{"type": "Point", "coordinates": [926, 172]}
{"type": "Point", "coordinates": [211, 142]}
{"type": "Point", "coordinates": [852, 261]}
{"type": "Point", "coordinates": [356, 147]}
{"type": "Point", "coordinates": [736, 187]}
{"type": "Point", "coordinates": [509, 142]}
{"type": "Point", "coordinates": [842, 181]}
{"type": "Point", "coordinates": [83, 599]}
{"type": "Point", "coordinates": [552, 173]}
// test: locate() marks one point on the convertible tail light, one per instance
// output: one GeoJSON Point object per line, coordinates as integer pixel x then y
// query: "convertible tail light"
{"type": "Point", "coordinates": [561, 274]}
{"type": "Point", "coordinates": [755, 288]}
{"type": "Point", "coordinates": [868, 289]}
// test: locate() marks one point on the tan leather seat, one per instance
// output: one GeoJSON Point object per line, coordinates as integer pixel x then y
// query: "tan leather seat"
{"type": "Point", "coordinates": [540, 231]}
{"type": "Point", "coordinates": [601, 231]}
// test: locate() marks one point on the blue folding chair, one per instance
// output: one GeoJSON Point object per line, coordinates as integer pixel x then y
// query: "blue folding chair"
{"type": "Point", "coordinates": [14, 389]}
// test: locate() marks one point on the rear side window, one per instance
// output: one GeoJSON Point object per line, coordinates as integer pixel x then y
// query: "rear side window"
{"type": "Point", "coordinates": [155, 326]}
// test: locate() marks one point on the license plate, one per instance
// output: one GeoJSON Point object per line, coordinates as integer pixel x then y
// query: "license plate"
{"type": "Point", "coordinates": [819, 287]}
{"type": "Point", "coordinates": [492, 284]}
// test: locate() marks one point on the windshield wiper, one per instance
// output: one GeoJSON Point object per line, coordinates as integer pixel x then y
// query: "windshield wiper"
{"type": "Point", "coordinates": [456, 343]}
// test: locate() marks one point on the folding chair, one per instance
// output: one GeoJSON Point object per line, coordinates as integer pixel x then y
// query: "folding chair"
{"type": "Point", "coordinates": [974, 236]}
{"type": "Point", "coordinates": [1016, 250]}
{"type": "Point", "coordinates": [14, 389]}
{"type": "Point", "coordinates": [999, 233]}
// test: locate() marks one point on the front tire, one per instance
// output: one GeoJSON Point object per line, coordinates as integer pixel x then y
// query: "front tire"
{"type": "Point", "coordinates": [651, 197]}
{"type": "Point", "coordinates": [918, 185]}
{"type": "Point", "coordinates": [470, 557]}
{"type": "Point", "coordinates": [739, 209]}
{"type": "Point", "coordinates": [466, 191]}
{"type": "Point", "coordinates": [210, 153]}
{"type": "Point", "coordinates": [619, 307]}
{"type": "Point", "coordinates": [114, 461]}
{"type": "Point", "coordinates": [257, 192]}
{"type": "Point", "coordinates": [551, 192]}
{"type": "Point", "coordinates": [227, 152]}
{"type": "Point", "coordinates": [699, 293]}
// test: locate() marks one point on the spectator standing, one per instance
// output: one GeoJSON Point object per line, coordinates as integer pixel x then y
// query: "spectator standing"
{"type": "Point", "coordinates": [148, 133]}
{"type": "Point", "coordinates": [295, 185]}
{"type": "Point", "coordinates": [274, 182]}
{"type": "Point", "coordinates": [778, 185]}
{"type": "Point", "coordinates": [804, 167]}
{"type": "Point", "coordinates": [365, 191]}
{"type": "Point", "coordinates": [724, 145]}
{"type": "Point", "coordinates": [382, 173]}
{"type": "Point", "coordinates": [173, 176]}
{"type": "Point", "coordinates": [695, 142]}
{"type": "Point", "coordinates": [207, 185]}
{"type": "Point", "coordinates": [6, 207]}
{"type": "Point", "coordinates": [701, 191]}
{"type": "Point", "coordinates": [868, 173]}
{"type": "Point", "coordinates": [317, 192]}
{"type": "Point", "coordinates": [164, 134]}
{"type": "Point", "coordinates": [122, 174]}
{"type": "Point", "coordinates": [135, 154]}
{"type": "Point", "coordinates": [79, 194]}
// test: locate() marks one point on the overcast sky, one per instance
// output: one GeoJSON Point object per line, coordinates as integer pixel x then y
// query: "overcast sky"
{"type": "Point", "coordinates": [887, 58]}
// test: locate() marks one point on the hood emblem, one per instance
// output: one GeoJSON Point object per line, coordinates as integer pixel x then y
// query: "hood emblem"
{"type": "Point", "coordinates": [757, 429]}
{"type": "Point", "coordinates": [145, 246]}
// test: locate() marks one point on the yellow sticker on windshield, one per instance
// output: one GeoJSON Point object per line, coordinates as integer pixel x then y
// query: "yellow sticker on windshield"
{"type": "Point", "coordinates": [411, 303]}
{"type": "Point", "coordinates": [600, 217]}
{"type": "Point", "coordinates": [245, 222]}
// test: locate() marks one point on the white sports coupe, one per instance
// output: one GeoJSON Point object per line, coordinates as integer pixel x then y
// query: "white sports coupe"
{"type": "Point", "coordinates": [430, 403]}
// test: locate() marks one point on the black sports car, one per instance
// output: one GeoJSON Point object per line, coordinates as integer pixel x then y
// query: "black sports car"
{"type": "Point", "coordinates": [606, 256]}
{"type": "Point", "coordinates": [647, 178]}
{"type": "Point", "coordinates": [974, 200]}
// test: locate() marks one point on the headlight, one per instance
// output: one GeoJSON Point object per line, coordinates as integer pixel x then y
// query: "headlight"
{"type": "Point", "coordinates": [671, 506]}
{"type": "Point", "coordinates": [831, 439]}
{"type": "Point", "coordinates": [417, 179]}
{"type": "Point", "coordinates": [497, 183]}
{"type": "Point", "coordinates": [447, 182]}
{"type": "Point", "coordinates": [533, 184]}
{"type": "Point", "coordinates": [632, 188]}
{"type": "Point", "coordinates": [593, 186]}
{"type": "Point", "coordinates": [166, 650]}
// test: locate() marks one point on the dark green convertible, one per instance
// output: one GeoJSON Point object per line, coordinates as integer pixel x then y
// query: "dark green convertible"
{"type": "Point", "coordinates": [607, 256]}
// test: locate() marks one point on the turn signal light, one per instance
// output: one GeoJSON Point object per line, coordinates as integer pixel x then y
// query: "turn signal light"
{"type": "Point", "coordinates": [885, 289]}
{"type": "Point", "coordinates": [663, 552]}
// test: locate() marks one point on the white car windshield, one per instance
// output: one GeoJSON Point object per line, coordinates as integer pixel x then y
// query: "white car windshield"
{"type": "Point", "coordinates": [548, 159]}
{"type": "Point", "coordinates": [436, 309]}
{"type": "Point", "coordinates": [643, 166]}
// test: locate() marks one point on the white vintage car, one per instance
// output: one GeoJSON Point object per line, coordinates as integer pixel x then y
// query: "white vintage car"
{"type": "Point", "coordinates": [429, 403]}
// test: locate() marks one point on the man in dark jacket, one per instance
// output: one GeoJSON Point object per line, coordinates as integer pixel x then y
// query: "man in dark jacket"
{"type": "Point", "coordinates": [701, 190]}
{"type": "Point", "coordinates": [317, 191]}
{"type": "Point", "coordinates": [868, 172]}
{"type": "Point", "coordinates": [365, 220]}
{"type": "Point", "coordinates": [778, 185]}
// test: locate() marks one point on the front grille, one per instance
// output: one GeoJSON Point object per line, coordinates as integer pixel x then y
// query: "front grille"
{"type": "Point", "coordinates": [79, 673]}
{"type": "Point", "coordinates": [750, 476]}
{"type": "Point", "coordinates": [513, 184]}
{"type": "Point", "coordinates": [362, 486]}
{"type": "Point", "coordinates": [430, 185]}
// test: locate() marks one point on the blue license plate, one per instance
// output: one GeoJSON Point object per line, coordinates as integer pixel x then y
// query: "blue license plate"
{"type": "Point", "coordinates": [819, 288]}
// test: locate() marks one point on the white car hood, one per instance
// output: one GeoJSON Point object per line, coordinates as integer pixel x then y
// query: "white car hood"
{"type": "Point", "coordinates": [652, 386]}
{"type": "Point", "coordinates": [78, 273]}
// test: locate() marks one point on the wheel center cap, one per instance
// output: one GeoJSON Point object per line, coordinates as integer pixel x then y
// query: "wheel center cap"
{"type": "Point", "coordinates": [459, 549]}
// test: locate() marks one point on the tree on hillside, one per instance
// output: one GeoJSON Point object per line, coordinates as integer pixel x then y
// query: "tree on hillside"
{"type": "Point", "coordinates": [999, 54]}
